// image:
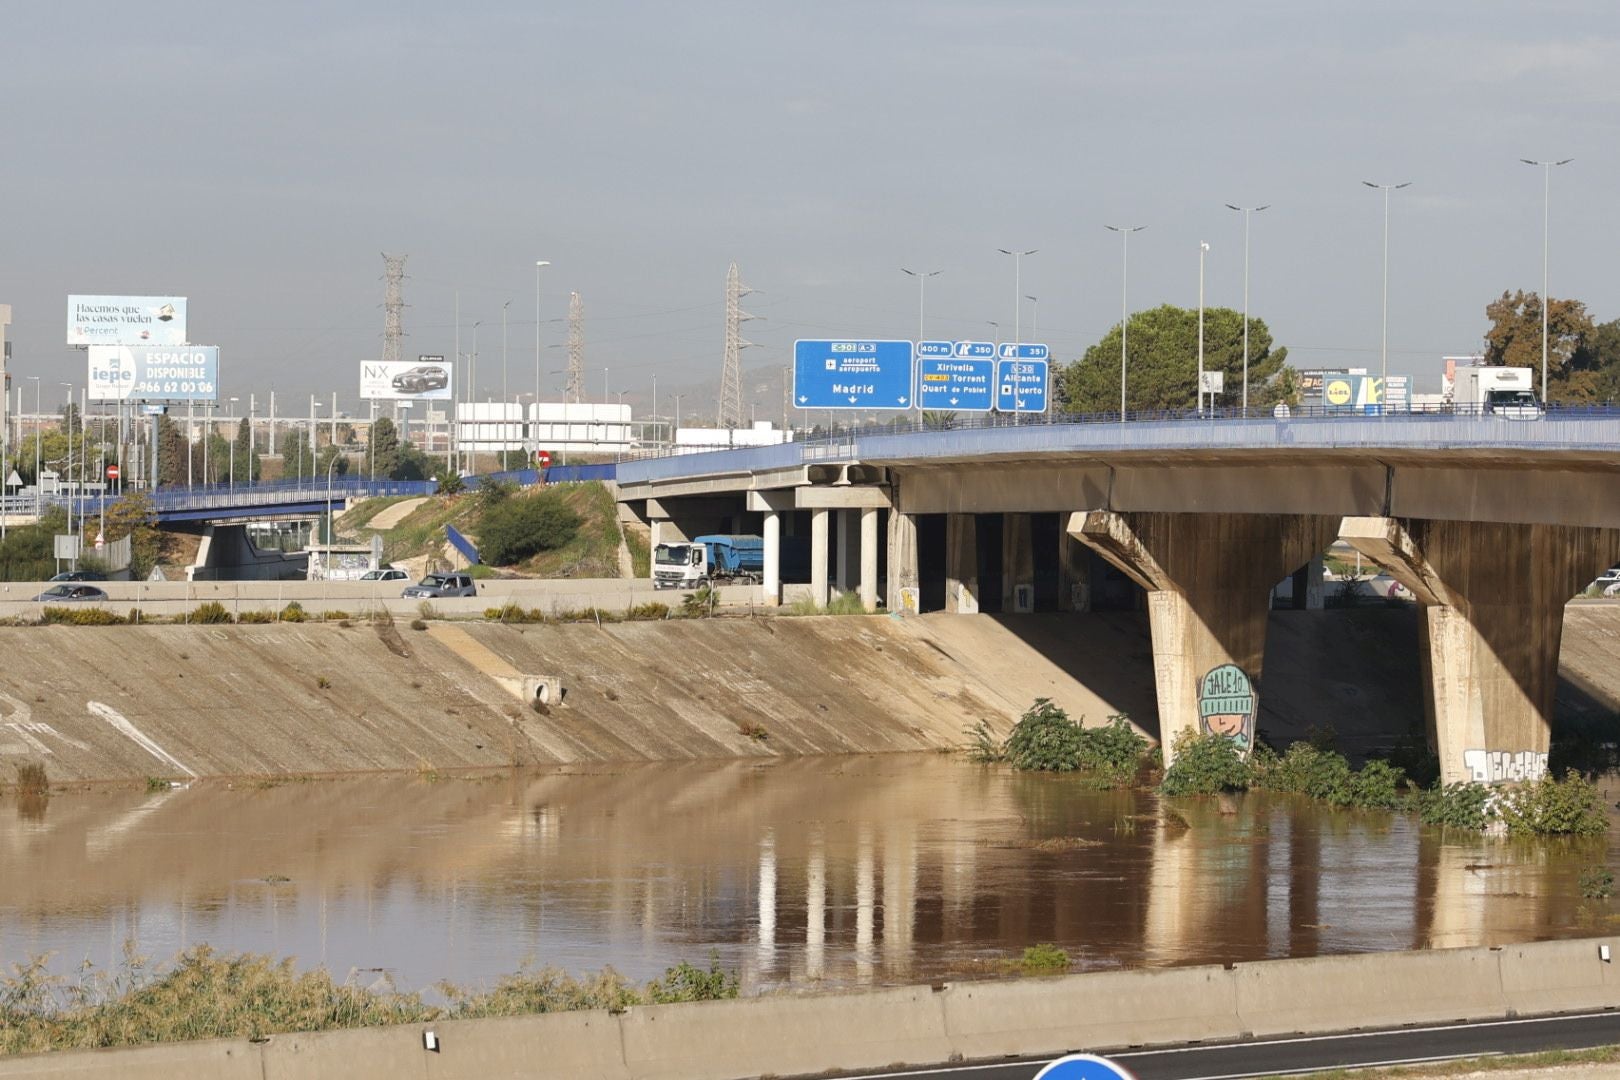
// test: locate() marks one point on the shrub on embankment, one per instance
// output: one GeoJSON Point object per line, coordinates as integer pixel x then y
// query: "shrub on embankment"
{"type": "Point", "coordinates": [208, 996]}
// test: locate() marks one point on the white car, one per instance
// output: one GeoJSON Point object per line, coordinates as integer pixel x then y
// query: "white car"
{"type": "Point", "coordinates": [387, 574]}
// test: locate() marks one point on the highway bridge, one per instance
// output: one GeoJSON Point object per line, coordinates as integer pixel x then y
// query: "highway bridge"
{"type": "Point", "coordinates": [1493, 524]}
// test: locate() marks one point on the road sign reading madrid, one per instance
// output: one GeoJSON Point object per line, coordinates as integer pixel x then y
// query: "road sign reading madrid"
{"type": "Point", "coordinates": [957, 385]}
{"type": "Point", "coordinates": [852, 374]}
{"type": "Point", "coordinates": [1021, 386]}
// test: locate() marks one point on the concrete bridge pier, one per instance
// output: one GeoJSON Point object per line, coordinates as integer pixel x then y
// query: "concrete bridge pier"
{"type": "Point", "coordinates": [1209, 579]}
{"type": "Point", "coordinates": [1493, 596]}
{"type": "Point", "coordinates": [961, 564]}
{"type": "Point", "coordinates": [904, 579]}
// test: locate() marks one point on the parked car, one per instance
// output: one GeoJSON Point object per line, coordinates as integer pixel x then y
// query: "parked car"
{"type": "Point", "coordinates": [1608, 582]}
{"type": "Point", "coordinates": [80, 575]}
{"type": "Point", "coordinates": [70, 592]}
{"type": "Point", "coordinates": [421, 378]}
{"type": "Point", "coordinates": [387, 573]}
{"type": "Point", "coordinates": [437, 585]}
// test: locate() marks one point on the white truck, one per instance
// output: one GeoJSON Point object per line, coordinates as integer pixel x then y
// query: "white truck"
{"type": "Point", "coordinates": [1508, 392]}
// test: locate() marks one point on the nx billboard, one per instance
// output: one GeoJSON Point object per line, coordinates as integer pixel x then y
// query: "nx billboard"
{"type": "Point", "coordinates": [426, 380]}
{"type": "Point", "coordinates": [151, 373]}
{"type": "Point", "coordinates": [126, 320]}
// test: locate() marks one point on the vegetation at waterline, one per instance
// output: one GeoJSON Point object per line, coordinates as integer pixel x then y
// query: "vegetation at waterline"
{"type": "Point", "coordinates": [1044, 739]}
{"type": "Point", "coordinates": [204, 995]}
{"type": "Point", "coordinates": [1210, 765]}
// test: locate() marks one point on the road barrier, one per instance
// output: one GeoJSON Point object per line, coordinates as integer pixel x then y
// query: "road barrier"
{"type": "Point", "coordinates": [973, 1021]}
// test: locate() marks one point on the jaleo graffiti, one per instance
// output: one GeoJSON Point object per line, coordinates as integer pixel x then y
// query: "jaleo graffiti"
{"type": "Point", "coordinates": [1226, 705]}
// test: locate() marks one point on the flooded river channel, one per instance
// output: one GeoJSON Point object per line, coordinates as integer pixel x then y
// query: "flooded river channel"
{"type": "Point", "coordinates": [832, 871]}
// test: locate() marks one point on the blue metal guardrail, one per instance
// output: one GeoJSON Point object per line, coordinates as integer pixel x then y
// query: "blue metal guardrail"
{"type": "Point", "coordinates": [1595, 427]}
{"type": "Point", "coordinates": [461, 543]}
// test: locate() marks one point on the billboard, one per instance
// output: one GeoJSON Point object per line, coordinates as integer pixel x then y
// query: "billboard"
{"type": "Point", "coordinates": [428, 379]}
{"type": "Point", "coordinates": [126, 320]}
{"type": "Point", "coordinates": [154, 373]}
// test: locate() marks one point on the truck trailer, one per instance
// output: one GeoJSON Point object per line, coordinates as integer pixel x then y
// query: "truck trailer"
{"type": "Point", "coordinates": [724, 559]}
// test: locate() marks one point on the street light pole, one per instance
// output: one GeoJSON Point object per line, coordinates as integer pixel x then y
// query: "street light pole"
{"type": "Point", "coordinates": [538, 266]}
{"type": "Point", "coordinates": [1124, 308]}
{"type": "Point", "coordinates": [231, 484]}
{"type": "Point", "coordinates": [1018, 288]}
{"type": "Point", "coordinates": [922, 277]}
{"type": "Point", "coordinates": [503, 350]}
{"type": "Point", "coordinates": [1546, 220]}
{"type": "Point", "coordinates": [1246, 211]}
{"type": "Point", "coordinates": [1383, 349]}
{"type": "Point", "coordinates": [1203, 249]}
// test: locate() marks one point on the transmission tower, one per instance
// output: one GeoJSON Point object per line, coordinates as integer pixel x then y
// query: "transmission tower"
{"type": "Point", "coordinates": [576, 345]}
{"type": "Point", "coordinates": [393, 304]}
{"type": "Point", "coordinates": [731, 378]}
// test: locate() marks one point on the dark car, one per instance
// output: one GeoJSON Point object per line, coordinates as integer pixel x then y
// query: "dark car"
{"type": "Point", "coordinates": [421, 378]}
{"type": "Point", "coordinates": [437, 585]}
{"type": "Point", "coordinates": [70, 592]}
{"type": "Point", "coordinates": [79, 575]}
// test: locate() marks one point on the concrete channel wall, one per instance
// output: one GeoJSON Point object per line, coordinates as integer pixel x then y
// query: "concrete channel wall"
{"type": "Point", "coordinates": [800, 1036]}
{"type": "Point", "coordinates": [170, 599]}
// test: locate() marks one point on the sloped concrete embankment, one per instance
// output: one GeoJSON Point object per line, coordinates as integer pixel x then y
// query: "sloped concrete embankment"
{"type": "Point", "coordinates": [109, 703]}
{"type": "Point", "coordinates": [801, 1036]}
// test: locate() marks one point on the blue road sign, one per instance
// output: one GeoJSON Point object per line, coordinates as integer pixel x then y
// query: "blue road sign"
{"type": "Point", "coordinates": [1011, 351]}
{"type": "Point", "coordinates": [852, 374]}
{"type": "Point", "coordinates": [1021, 386]}
{"type": "Point", "coordinates": [976, 350]}
{"type": "Point", "coordinates": [959, 385]}
{"type": "Point", "coordinates": [1084, 1067]}
{"type": "Point", "coordinates": [936, 348]}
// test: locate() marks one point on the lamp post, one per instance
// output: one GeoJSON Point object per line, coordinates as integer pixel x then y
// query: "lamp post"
{"type": "Point", "coordinates": [67, 470]}
{"type": "Point", "coordinates": [1124, 307]}
{"type": "Point", "coordinates": [35, 379]}
{"type": "Point", "coordinates": [1546, 218]}
{"type": "Point", "coordinates": [1018, 287]}
{"type": "Point", "coordinates": [538, 266]}
{"type": "Point", "coordinates": [678, 416]}
{"type": "Point", "coordinates": [922, 277]}
{"type": "Point", "coordinates": [1383, 349]}
{"type": "Point", "coordinates": [232, 482]}
{"type": "Point", "coordinates": [504, 306]}
{"type": "Point", "coordinates": [1246, 211]}
{"type": "Point", "coordinates": [1203, 249]}
{"type": "Point", "coordinates": [1034, 316]}
{"type": "Point", "coordinates": [327, 571]}
{"type": "Point", "coordinates": [313, 405]}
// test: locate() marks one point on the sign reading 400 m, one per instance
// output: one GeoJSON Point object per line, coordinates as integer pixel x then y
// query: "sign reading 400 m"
{"type": "Point", "coordinates": [146, 373]}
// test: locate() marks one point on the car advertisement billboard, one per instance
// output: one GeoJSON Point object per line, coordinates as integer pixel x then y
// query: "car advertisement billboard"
{"type": "Point", "coordinates": [126, 320]}
{"type": "Point", "coordinates": [428, 379]}
{"type": "Point", "coordinates": [154, 373]}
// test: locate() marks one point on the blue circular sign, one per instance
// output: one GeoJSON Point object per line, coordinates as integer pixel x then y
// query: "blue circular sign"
{"type": "Point", "coordinates": [1084, 1067]}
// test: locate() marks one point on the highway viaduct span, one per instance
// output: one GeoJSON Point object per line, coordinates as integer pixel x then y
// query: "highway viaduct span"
{"type": "Point", "coordinates": [1492, 524]}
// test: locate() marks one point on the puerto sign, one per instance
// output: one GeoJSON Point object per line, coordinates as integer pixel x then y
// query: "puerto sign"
{"type": "Point", "coordinates": [1021, 386]}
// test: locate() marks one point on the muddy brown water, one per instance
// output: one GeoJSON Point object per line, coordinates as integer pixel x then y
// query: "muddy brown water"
{"type": "Point", "coordinates": [797, 873]}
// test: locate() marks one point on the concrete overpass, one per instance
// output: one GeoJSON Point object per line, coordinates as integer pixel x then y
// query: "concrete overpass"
{"type": "Point", "coordinates": [1493, 525]}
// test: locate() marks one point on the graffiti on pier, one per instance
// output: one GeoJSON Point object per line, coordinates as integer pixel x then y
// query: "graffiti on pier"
{"type": "Point", "coordinates": [1504, 766]}
{"type": "Point", "coordinates": [1226, 705]}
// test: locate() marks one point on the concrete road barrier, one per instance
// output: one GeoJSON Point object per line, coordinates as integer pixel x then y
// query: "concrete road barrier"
{"type": "Point", "coordinates": [1079, 1012]}
{"type": "Point", "coordinates": [785, 1036]}
{"type": "Point", "coordinates": [381, 1053]}
{"type": "Point", "coordinates": [1557, 976]}
{"type": "Point", "coordinates": [217, 1059]}
{"type": "Point", "coordinates": [1332, 993]}
{"type": "Point", "coordinates": [556, 1046]}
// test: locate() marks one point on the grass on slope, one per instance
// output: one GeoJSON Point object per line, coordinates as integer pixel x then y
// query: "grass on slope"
{"type": "Point", "coordinates": [594, 552]}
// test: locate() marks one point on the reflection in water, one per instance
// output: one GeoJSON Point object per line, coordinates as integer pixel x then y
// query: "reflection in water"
{"type": "Point", "coordinates": [837, 871]}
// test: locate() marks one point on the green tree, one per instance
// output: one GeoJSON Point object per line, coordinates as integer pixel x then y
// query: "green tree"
{"type": "Point", "coordinates": [133, 516]}
{"type": "Point", "coordinates": [172, 453]}
{"type": "Point", "coordinates": [331, 457]}
{"type": "Point", "coordinates": [244, 463]}
{"type": "Point", "coordinates": [384, 449]}
{"type": "Point", "coordinates": [1604, 345]}
{"type": "Point", "coordinates": [296, 459]}
{"type": "Point", "coordinates": [1162, 365]}
{"type": "Point", "coordinates": [1514, 340]}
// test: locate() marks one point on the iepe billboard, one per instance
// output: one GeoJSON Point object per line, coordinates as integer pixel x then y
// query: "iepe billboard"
{"type": "Point", "coordinates": [428, 379]}
{"type": "Point", "coordinates": [153, 373]}
{"type": "Point", "coordinates": [126, 320]}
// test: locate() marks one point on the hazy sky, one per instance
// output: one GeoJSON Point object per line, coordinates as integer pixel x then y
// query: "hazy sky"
{"type": "Point", "coordinates": [257, 160]}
